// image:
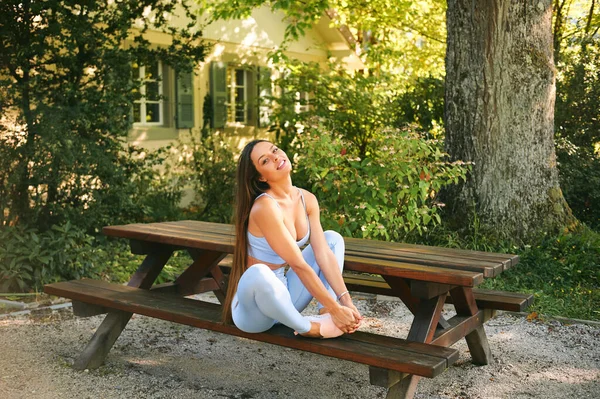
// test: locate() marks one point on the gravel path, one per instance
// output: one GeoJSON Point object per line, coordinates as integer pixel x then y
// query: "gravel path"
{"type": "Point", "coordinates": [157, 359]}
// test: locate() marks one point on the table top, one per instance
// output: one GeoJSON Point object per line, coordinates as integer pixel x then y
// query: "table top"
{"type": "Point", "coordinates": [418, 262]}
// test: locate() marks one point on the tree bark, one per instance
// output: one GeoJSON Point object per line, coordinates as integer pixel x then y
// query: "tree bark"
{"type": "Point", "coordinates": [499, 114]}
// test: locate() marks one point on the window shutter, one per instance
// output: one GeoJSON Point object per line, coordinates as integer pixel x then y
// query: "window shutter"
{"type": "Point", "coordinates": [218, 93]}
{"type": "Point", "coordinates": [252, 96]}
{"type": "Point", "coordinates": [264, 102]}
{"type": "Point", "coordinates": [185, 100]}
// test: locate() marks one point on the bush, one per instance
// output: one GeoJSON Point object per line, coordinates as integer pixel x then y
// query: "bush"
{"type": "Point", "coordinates": [577, 128]}
{"type": "Point", "coordinates": [31, 258]}
{"type": "Point", "coordinates": [207, 167]}
{"type": "Point", "coordinates": [387, 194]}
{"type": "Point", "coordinates": [562, 272]}
{"type": "Point", "coordinates": [356, 106]}
{"type": "Point", "coordinates": [66, 93]}
{"type": "Point", "coordinates": [422, 104]}
{"type": "Point", "coordinates": [580, 183]}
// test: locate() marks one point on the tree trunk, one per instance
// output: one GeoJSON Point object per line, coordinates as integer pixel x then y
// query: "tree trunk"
{"type": "Point", "coordinates": [499, 112]}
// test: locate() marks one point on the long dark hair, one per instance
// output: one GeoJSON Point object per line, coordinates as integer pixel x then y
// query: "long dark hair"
{"type": "Point", "coordinates": [248, 187]}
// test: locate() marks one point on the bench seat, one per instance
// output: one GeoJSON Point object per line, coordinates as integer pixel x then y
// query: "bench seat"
{"type": "Point", "coordinates": [371, 349]}
{"type": "Point", "coordinates": [486, 299]}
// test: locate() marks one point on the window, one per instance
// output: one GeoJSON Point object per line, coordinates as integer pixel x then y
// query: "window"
{"type": "Point", "coordinates": [239, 95]}
{"type": "Point", "coordinates": [302, 103]}
{"type": "Point", "coordinates": [148, 109]}
{"type": "Point", "coordinates": [238, 90]}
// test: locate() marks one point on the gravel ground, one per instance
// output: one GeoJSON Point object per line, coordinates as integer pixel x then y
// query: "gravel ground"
{"type": "Point", "coordinates": [157, 359]}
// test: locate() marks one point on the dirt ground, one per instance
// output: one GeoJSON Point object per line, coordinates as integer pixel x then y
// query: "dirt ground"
{"type": "Point", "coordinates": [158, 359]}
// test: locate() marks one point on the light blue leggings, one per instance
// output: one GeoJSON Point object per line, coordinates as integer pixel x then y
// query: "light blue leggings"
{"type": "Point", "coordinates": [265, 297]}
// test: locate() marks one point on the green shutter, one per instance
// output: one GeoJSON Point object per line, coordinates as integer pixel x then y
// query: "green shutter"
{"type": "Point", "coordinates": [218, 94]}
{"type": "Point", "coordinates": [264, 102]}
{"type": "Point", "coordinates": [251, 105]}
{"type": "Point", "coordinates": [185, 100]}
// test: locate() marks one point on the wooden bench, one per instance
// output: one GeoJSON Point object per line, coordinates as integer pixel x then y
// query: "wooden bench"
{"type": "Point", "coordinates": [392, 353]}
{"type": "Point", "coordinates": [424, 278]}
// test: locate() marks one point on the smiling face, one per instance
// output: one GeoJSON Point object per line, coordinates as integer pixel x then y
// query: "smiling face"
{"type": "Point", "coordinates": [271, 163]}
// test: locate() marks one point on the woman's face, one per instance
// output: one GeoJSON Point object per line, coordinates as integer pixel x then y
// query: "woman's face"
{"type": "Point", "coordinates": [271, 163]}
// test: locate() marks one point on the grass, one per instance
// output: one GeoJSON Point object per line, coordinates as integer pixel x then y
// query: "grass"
{"type": "Point", "coordinates": [562, 272]}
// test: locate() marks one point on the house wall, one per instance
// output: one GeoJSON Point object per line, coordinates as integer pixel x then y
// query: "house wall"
{"type": "Point", "coordinates": [244, 42]}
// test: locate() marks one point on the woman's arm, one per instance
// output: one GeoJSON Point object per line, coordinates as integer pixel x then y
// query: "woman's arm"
{"type": "Point", "coordinates": [324, 255]}
{"type": "Point", "coordinates": [269, 219]}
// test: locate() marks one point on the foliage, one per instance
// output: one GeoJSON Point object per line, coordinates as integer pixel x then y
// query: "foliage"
{"type": "Point", "coordinates": [406, 39]}
{"type": "Point", "coordinates": [357, 106]}
{"type": "Point", "coordinates": [578, 130]}
{"type": "Point", "coordinates": [300, 15]}
{"type": "Point", "coordinates": [562, 272]}
{"type": "Point", "coordinates": [66, 95]}
{"type": "Point", "coordinates": [422, 104]}
{"type": "Point", "coordinates": [31, 258]}
{"type": "Point", "coordinates": [577, 51]}
{"type": "Point", "coordinates": [206, 166]}
{"type": "Point", "coordinates": [386, 194]}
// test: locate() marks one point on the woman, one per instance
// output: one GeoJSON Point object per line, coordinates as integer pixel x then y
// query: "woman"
{"type": "Point", "coordinates": [273, 220]}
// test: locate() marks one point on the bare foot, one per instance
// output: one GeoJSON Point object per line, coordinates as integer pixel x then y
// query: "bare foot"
{"type": "Point", "coordinates": [314, 332]}
{"type": "Point", "coordinates": [327, 328]}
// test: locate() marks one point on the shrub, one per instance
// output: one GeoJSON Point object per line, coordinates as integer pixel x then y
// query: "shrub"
{"type": "Point", "coordinates": [66, 94]}
{"type": "Point", "coordinates": [577, 128]}
{"type": "Point", "coordinates": [31, 259]}
{"type": "Point", "coordinates": [562, 272]}
{"type": "Point", "coordinates": [206, 166]}
{"type": "Point", "coordinates": [421, 104]}
{"type": "Point", "coordinates": [387, 194]}
{"type": "Point", "coordinates": [356, 106]}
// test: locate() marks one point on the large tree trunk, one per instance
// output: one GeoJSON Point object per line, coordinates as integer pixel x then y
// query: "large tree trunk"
{"type": "Point", "coordinates": [500, 90]}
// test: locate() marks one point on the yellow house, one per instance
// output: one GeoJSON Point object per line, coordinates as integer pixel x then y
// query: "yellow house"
{"type": "Point", "coordinates": [224, 89]}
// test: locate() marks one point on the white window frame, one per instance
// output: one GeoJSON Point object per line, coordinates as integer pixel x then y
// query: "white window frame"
{"type": "Point", "coordinates": [232, 87]}
{"type": "Point", "coordinates": [302, 97]}
{"type": "Point", "coordinates": [143, 100]}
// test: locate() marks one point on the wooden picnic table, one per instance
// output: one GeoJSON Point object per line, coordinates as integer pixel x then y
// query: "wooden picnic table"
{"type": "Point", "coordinates": [423, 277]}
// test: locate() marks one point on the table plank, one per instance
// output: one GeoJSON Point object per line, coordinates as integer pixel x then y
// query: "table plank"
{"type": "Point", "coordinates": [180, 234]}
{"type": "Point", "coordinates": [414, 272]}
{"type": "Point", "coordinates": [507, 260]}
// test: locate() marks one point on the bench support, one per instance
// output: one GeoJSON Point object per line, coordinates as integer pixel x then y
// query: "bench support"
{"type": "Point", "coordinates": [103, 340]}
{"type": "Point", "coordinates": [82, 309]}
{"type": "Point", "coordinates": [465, 305]}
{"type": "Point", "coordinates": [384, 377]}
{"type": "Point", "coordinates": [422, 329]}
{"type": "Point", "coordinates": [105, 336]}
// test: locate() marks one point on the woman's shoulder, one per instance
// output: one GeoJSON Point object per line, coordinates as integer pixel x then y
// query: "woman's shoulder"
{"type": "Point", "coordinates": [309, 198]}
{"type": "Point", "coordinates": [264, 204]}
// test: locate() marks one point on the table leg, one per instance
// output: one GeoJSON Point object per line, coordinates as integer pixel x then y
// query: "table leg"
{"type": "Point", "coordinates": [464, 303]}
{"type": "Point", "coordinates": [205, 262]}
{"type": "Point", "coordinates": [114, 323]}
{"type": "Point", "coordinates": [402, 289]}
{"type": "Point", "coordinates": [422, 329]}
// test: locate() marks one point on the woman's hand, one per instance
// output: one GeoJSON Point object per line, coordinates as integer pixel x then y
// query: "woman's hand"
{"type": "Point", "coordinates": [345, 318]}
{"type": "Point", "coordinates": [347, 302]}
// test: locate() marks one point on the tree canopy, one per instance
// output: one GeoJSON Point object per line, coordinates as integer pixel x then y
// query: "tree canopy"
{"type": "Point", "coordinates": [66, 95]}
